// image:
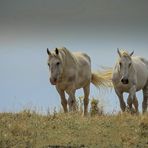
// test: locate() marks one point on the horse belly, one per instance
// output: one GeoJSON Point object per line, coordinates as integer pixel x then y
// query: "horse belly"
{"type": "Point", "coordinates": [83, 79]}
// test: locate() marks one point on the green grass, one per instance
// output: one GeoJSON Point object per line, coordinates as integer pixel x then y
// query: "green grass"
{"type": "Point", "coordinates": [31, 130]}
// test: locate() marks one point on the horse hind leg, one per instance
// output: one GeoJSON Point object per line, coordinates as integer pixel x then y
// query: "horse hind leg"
{"type": "Point", "coordinates": [132, 99]}
{"type": "Point", "coordinates": [130, 102]}
{"type": "Point", "coordinates": [145, 99]}
{"type": "Point", "coordinates": [72, 101]}
{"type": "Point", "coordinates": [86, 98]}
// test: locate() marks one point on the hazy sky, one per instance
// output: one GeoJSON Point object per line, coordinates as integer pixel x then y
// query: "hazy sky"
{"type": "Point", "coordinates": [96, 27]}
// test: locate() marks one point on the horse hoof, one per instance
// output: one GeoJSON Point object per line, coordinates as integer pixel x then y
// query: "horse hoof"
{"type": "Point", "coordinates": [84, 114]}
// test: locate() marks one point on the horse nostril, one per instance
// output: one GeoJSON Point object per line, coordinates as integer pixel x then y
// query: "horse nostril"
{"type": "Point", "coordinates": [124, 81]}
{"type": "Point", "coordinates": [55, 79]}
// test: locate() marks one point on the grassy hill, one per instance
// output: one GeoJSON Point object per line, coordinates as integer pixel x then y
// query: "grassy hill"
{"type": "Point", "coordinates": [31, 130]}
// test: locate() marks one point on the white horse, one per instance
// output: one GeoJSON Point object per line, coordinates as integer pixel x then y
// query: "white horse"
{"type": "Point", "coordinates": [130, 75]}
{"type": "Point", "coordinates": [71, 71]}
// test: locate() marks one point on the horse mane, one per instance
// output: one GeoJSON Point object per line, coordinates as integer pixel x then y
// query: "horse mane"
{"type": "Point", "coordinates": [66, 56]}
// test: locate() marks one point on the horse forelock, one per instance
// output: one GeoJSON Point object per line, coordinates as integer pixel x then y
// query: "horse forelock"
{"type": "Point", "coordinates": [125, 54]}
{"type": "Point", "coordinates": [54, 55]}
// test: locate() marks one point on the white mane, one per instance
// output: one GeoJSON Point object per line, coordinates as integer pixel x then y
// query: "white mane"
{"type": "Point", "coordinates": [66, 56]}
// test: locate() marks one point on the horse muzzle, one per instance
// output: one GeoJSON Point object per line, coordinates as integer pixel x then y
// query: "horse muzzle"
{"type": "Point", "coordinates": [53, 81]}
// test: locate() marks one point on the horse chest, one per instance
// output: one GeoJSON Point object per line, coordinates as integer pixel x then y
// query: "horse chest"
{"type": "Point", "coordinates": [67, 83]}
{"type": "Point", "coordinates": [116, 79]}
{"type": "Point", "coordinates": [123, 88]}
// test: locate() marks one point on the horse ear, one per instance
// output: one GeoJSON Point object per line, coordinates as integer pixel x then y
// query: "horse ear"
{"type": "Point", "coordinates": [57, 51]}
{"type": "Point", "coordinates": [48, 52]}
{"type": "Point", "coordinates": [132, 53]}
{"type": "Point", "coordinates": [118, 52]}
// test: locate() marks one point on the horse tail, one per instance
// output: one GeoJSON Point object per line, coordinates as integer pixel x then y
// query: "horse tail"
{"type": "Point", "coordinates": [102, 78]}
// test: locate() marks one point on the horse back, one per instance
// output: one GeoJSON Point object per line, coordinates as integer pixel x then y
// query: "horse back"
{"type": "Point", "coordinates": [82, 59]}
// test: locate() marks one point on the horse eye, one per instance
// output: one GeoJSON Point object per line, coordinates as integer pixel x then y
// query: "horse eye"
{"type": "Point", "coordinates": [120, 64]}
{"type": "Point", "coordinates": [48, 64]}
{"type": "Point", "coordinates": [58, 63]}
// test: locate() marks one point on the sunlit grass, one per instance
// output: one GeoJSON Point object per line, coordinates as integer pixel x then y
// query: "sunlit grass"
{"type": "Point", "coordinates": [31, 130]}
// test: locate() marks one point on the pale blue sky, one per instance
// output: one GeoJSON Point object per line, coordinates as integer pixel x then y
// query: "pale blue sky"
{"type": "Point", "coordinates": [96, 27]}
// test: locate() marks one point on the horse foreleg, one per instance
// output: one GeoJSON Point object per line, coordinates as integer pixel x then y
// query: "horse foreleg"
{"type": "Point", "coordinates": [86, 98]}
{"type": "Point", "coordinates": [145, 99]}
{"type": "Point", "coordinates": [63, 99]}
{"type": "Point", "coordinates": [121, 100]}
{"type": "Point", "coordinates": [131, 97]}
{"type": "Point", "coordinates": [135, 102]}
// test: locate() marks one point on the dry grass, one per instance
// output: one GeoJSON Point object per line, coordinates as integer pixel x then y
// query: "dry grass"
{"type": "Point", "coordinates": [30, 130]}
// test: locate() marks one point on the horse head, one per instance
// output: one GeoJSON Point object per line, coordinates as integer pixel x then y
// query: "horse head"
{"type": "Point", "coordinates": [125, 64]}
{"type": "Point", "coordinates": [55, 66]}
